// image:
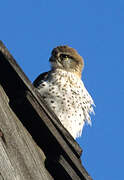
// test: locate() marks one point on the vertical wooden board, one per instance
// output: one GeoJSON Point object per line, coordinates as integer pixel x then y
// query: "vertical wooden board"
{"type": "Point", "coordinates": [6, 168]}
{"type": "Point", "coordinates": [19, 156]}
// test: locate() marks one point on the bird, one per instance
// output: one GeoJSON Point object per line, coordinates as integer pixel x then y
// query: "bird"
{"type": "Point", "coordinates": [64, 91]}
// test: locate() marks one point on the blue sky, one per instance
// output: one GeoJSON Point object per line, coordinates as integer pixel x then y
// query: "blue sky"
{"type": "Point", "coordinates": [30, 29]}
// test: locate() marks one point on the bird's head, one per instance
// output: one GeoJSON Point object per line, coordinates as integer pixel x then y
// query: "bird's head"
{"type": "Point", "coordinates": [66, 58]}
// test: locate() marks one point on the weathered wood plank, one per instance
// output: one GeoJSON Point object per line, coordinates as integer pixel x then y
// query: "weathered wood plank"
{"type": "Point", "coordinates": [19, 156]}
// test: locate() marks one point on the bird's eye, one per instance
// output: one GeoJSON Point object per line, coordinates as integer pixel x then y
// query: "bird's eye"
{"type": "Point", "coordinates": [64, 56]}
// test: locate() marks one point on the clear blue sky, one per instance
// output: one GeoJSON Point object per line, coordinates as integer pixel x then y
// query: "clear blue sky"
{"type": "Point", "coordinates": [31, 28]}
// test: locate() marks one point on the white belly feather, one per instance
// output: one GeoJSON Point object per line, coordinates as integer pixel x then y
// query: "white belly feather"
{"type": "Point", "coordinates": [65, 93]}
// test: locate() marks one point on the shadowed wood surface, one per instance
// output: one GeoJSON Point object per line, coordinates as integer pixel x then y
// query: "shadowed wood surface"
{"type": "Point", "coordinates": [58, 154]}
{"type": "Point", "coordinates": [19, 156]}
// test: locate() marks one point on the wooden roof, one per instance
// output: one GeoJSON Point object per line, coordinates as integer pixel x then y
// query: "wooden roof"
{"type": "Point", "coordinates": [33, 143]}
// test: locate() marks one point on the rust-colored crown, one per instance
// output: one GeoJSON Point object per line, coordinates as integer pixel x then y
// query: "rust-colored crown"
{"type": "Point", "coordinates": [69, 50]}
{"type": "Point", "coordinates": [77, 69]}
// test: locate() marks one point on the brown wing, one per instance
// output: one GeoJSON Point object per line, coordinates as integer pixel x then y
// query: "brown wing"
{"type": "Point", "coordinates": [42, 77]}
